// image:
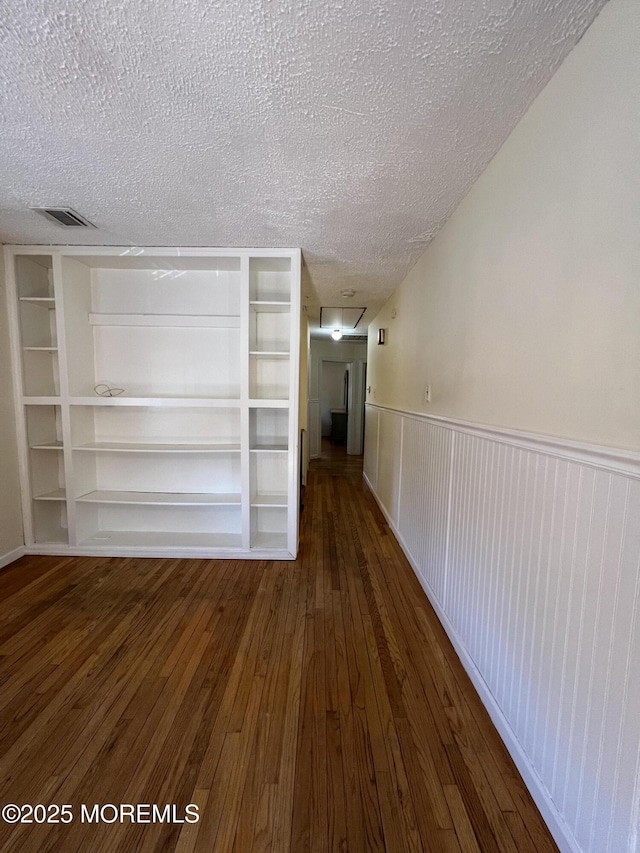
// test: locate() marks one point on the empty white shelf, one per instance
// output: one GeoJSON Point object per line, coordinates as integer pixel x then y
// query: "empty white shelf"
{"type": "Point", "coordinates": [49, 445]}
{"type": "Point", "coordinates": [159, 401]}
{"type": "Point", "coordinates": [57, 495]}
{"type": "Point", "coordinates": [40, 349]}
{"type": "Point", "coordinates": [160, 498]}
{"type": "Point", "coordinates": [268, 354]}
{"type": "Point", "coordinates": [268, 404]}
{"type": "Point", "coordinates": [138, 447]}
{"type": "Point", "coordinates": [269, 448]}
{"type": "Point", "coordinates": [270, 306]}
{"type": "Point", "coordinates": [42, 301]}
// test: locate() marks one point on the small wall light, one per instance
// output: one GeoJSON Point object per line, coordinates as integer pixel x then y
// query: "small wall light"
{"type": "Point", "coordinates": [336, 334]}
{"type": "Point", "coordinates": [382, 337]}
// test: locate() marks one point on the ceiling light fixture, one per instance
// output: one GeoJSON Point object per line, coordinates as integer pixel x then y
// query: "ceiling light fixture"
{"type": "Point", "coordinates": [336, 334]}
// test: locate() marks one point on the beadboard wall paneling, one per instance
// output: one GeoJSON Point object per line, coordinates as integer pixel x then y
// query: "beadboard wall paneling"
{"type": "Point", "coordinates": [422, 515]}
{"type": "Point", "coordinates": [370, 461]}
{"type": "Point", "coordinates": [389, 462]}
{"type": "Point", "coordinates": [530, 550]}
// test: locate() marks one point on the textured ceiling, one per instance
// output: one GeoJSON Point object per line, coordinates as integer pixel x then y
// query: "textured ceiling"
{"type": "Point", "coordinates": [350, 128]}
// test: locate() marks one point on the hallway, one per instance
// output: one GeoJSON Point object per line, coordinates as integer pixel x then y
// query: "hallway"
{"type": "Point", "coordinates": [315, 705]}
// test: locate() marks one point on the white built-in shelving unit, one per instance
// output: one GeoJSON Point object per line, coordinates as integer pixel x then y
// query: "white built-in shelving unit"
{"type": "Point", "coordinates": [198, 456]}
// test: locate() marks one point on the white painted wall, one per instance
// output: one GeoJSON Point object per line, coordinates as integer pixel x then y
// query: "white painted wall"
{"type": "Point", "coordinates": [525, 309]}
{"type": "Point", "coordinates": [524, 313]}
{"type": "Point", "coordinates": [11, 536]}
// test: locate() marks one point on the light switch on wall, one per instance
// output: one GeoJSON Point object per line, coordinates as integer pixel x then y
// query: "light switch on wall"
{"type": "Point", "coordinates": [427, 393]}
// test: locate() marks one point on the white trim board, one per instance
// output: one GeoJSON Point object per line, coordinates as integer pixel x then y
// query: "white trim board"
{"type": "Point", "coordinates": [616, 460]}
{"type": "Point", "coordinates": [160, 553]}
{"type": "Point", "coordinates": [528, 548]}
{"type": "Point", "coordinates": [12, 556]}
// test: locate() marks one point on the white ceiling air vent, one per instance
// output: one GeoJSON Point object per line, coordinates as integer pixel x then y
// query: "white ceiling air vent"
{"type": "Point", "coordinates": [340, 318]}
{"type": "Point", "coordinates": [66, 216]}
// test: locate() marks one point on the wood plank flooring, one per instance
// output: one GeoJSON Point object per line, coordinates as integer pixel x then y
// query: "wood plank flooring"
{"type": "Point", "coordinates": [315, 705]}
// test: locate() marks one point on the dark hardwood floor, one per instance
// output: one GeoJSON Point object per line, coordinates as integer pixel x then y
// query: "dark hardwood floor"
{"type": "Point", "coordinates": [315, 705]}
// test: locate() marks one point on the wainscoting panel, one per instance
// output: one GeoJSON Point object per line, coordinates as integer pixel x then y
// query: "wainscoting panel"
{"type": "Point", "coordinates": [422, 515]}
{"type": "Point", "coordinates": [370, 461]}
{"type": "Point", "coordinates": [389, 459]}
{"type": "Point", "coordinates": [529, 548]}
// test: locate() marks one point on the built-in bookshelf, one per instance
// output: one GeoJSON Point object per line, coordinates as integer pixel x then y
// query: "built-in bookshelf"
{"type": "Point", "coordinates": [189, 445]}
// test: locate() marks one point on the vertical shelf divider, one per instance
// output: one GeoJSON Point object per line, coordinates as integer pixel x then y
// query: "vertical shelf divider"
{"type": "Point", "coordinates": [13, 305]}
{"type": "Point", "coordinates": [294, 395]}
{"type": "Point", "coordinates": [65, 410]}
{"type": "Point", "coordinates": [245, 456]}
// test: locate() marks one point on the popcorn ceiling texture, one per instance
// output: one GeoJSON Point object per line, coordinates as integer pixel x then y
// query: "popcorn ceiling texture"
{"type": "Point", "coordinates": [351, 129]}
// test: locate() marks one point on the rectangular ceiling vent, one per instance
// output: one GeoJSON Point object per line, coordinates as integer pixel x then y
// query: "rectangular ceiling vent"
{"type": "Point", "coordinates": [64, 216]}
{"type": "Point", "coordinates": [340, 318]}
{"type": "Point", "coordinates": [354, 339]}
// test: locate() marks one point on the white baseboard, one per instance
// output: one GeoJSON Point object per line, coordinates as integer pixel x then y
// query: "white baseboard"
{"type": "Point", "coordinates": [550, 814]}
{"type": "Point", "coordinates": [157, 553]}
{"type": "Point", "coordinates": [11, 556]}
